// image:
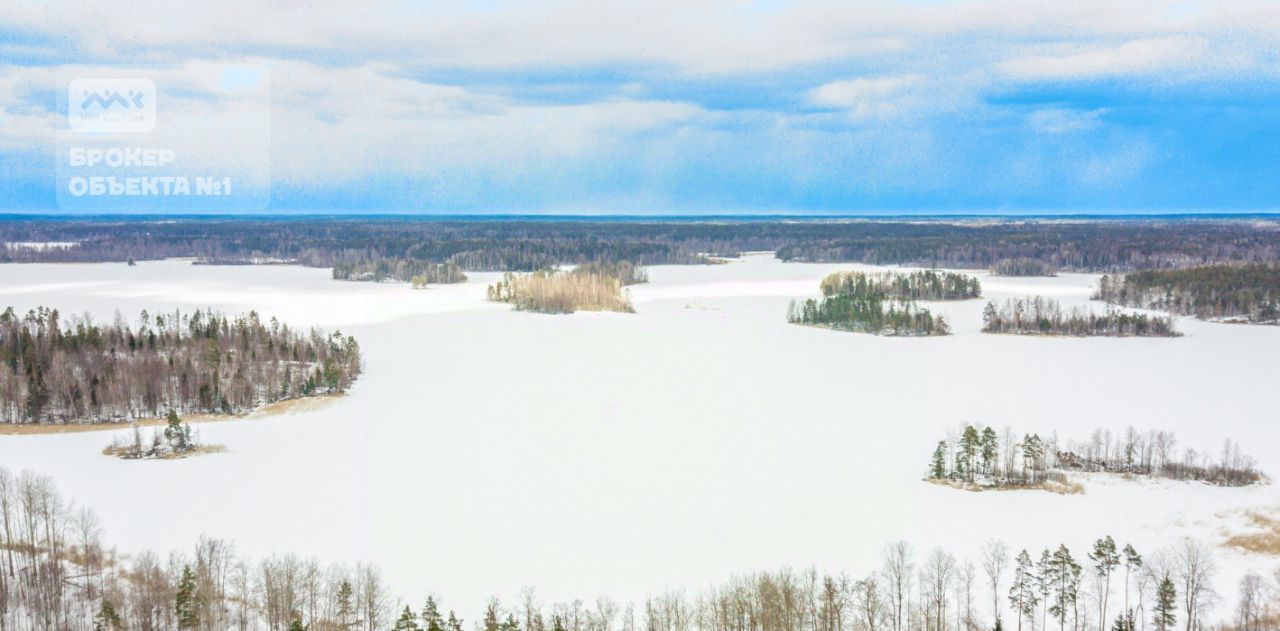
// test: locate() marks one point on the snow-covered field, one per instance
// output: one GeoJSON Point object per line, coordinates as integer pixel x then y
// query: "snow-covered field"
{"type": "Point", "coordinates": [484, 450]}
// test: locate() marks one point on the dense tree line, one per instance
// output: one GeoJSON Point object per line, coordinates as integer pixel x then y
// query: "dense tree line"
{"type": "Point", "coordinates": [919, 285]}
{"type": "Point", "coordinates": [977, 455]}
{"type": "Point", "coordinates": [1037, 315]}
{"type": "Point", "coordinates": [77, 371]}
{"type": "Point", "coordinates": [365, 247]}
{"type": "Point", "coordinates": [56, 572]}
{"type": "Point", "coordinates": [1081, 246]}
{"type": "Point", "coordinates": [523, 244]}
{"type": "Point", "coordinates": [553, 291]}
{"type": "Point", "coordinates": [420, 273]}
{"type": "Point", "coordinates": [879, 303]}
{"type": "Point", "coordinates": [1023, 266]}
{"type": "Point", "coordinates": [627, 272]}
{"type": "Point", "coordinates": [1250, 293]}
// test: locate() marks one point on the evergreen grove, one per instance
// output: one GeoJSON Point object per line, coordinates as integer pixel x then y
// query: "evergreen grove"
{"type": "Point", "coordinates": [884, 304]}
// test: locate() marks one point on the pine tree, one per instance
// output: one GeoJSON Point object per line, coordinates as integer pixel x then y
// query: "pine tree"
{"type": "Point", "coordinates": [1045, 581]}
{"type": "Point", "coordinates": [407, 621]}
{"type": "Point", "coordinates": [510, 624]}
{"type": "Point", "coordinates": [491, 613]}
{"type": "Point", "coordinates": [1132, 561]}
{"type": "Point", "coordinates": [938, 469]}
{"type": "Point", "coordinates": [1124, 623]}
{"type": "Point", "coordinates": [454, 623]}
{"type": "Point", "coordinates": [990, 450]}
{"type": "Point", "coordinates": [344, 604]}
{"type": "Point", "coordinates": [1061, 569]}
{"type": "Point", "coordinates": [187, 601]}
{"type": "Point", "coordinates": [1022, 594]}
{"type": "Point", "coordinates": [431, 619]}
{"type": "Point", "coordinates": [107, 619]}
{"type": "Point", "coordinates": [296, 624]}
{"type": "Point", "coordinates": [1166, 606]}
{"type": "Point", "coordinates": [1032, 457]}
{"type": "Point", "coordinates": [989, 317]}
{"type": "Point", "coordinates": [1105, 560]}
{"type": "Point", "coordinates": [969, 444]}
{"type": "Point", "coordinates": [178, 435]}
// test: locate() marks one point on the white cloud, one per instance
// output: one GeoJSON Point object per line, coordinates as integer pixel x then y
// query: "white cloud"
{"type": "Point", "coordinates": [866, 96]}
{"type": "Point", "coordinates": [326, 126]}
{"type": "Point", "coordinates": [691, 36]}
{"type": "Point", "coordinates": [1137, 57]}
{"type": "Point", "coordinates": [344, 124]}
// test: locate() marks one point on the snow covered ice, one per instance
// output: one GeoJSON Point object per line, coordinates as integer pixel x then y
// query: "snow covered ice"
{"type": "Point", "coordinates": [484, 450]}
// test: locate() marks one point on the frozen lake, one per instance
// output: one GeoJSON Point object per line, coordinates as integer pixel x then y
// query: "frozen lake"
{"type": "Point", "coordinates": [484, 450]}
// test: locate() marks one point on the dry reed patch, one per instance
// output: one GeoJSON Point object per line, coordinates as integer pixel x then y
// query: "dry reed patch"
{"type": "Point", "coordinates": [562, 292]}
{"type": "Point", "coordinates": [1263, 536]}
{"type": "Point", "coordinates": [1065, 487]}
{"type": "Point", "coordinates": [115, 450]}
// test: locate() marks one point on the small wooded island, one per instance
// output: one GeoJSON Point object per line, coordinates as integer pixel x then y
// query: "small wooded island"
{"type": "Point", "coordinates": [1228, 293]}
{"type": "Point", "coordinates": [1037, 315]}
{"type": "Point", "coordinates": [176, 440]}
{"type": "Point", "coordinates": [53, 371]}
{"type": "Point", "coordinates": [596, 286]}
{"type": "Point", "coordinates": [884, 303]}
{"type": "Point", "coordinates": [977, 458]}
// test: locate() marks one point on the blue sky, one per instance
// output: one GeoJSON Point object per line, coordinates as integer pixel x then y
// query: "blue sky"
{"type": "Point", "coordinates": [692, 107]}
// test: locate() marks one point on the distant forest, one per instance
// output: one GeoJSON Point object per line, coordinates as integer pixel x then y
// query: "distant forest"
{"type": "Point", "coordinates": [627, 272]}
{"type": "Point", "coordinates": [1023, 267]}
{"type": "Point", "coordinates": [76, 371]}
{"type": "Point", "coordinates": [1037, 315]}
{"type": "Point", "coordinates": [978, 456]}
{"type": "Point", "coordinates": [378, 247]}
{"type": "Point", "coordinates": [883, 304]}
{"type": "Point", "coordinates": [1245, 293]}
{"type": "Point", "coordinates": [58, 572]}
{"type": "Point", "coordinates": [420, 273]}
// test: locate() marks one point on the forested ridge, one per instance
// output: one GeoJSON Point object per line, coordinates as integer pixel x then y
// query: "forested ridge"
{"type": "Point", "coordinates": [1037, 315]}
{"type": "Point", "coordinates": [979, 456]}
{"type": "Point", "coordinates": [1249, 293]}
{"type": "Point", "coordinates": [1079, 246]}
{"type": "Point", "coordinates": [883, 304]}
{"type": "Point", "coordinates": [76, 371]}
{"type": "Point", "coordinates": [371, 247]}
{"type": "Point", "coordinates": [58, 572]}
